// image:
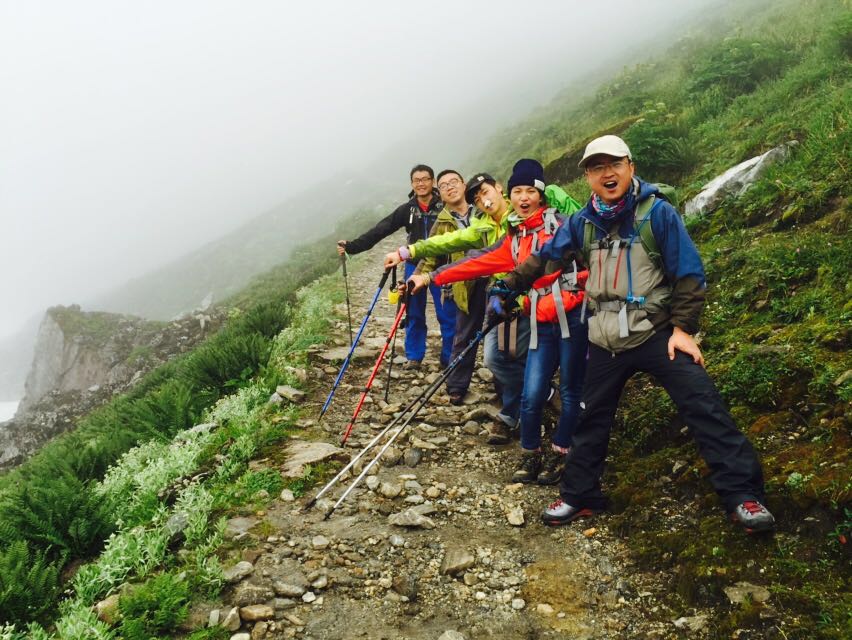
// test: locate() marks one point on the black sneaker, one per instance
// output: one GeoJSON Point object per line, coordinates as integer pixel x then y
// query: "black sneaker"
{"type": "Point", "coordinates": [530, 466]}
{"type": "Point", "coordinates": [560, 512]}
{"type": "Point", "coordinates": [753, 516]}
{"type": "Point", "coordinates": [551, 467]}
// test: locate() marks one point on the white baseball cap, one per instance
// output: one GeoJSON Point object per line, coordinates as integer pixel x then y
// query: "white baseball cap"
{"type": "Point", "coordinates": [606, 145]}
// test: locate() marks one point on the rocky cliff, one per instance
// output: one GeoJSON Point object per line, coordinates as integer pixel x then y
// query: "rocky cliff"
{"type": "Point", "coordinates": [82, 359]}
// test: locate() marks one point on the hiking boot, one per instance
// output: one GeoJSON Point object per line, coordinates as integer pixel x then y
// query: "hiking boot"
{"type": "Point", "coordinates": [753, 516]}
{"type": "Point", "coordinates": [560, 512]}
{"type": "Point", "coordinates": [551, 467]}
{"type": "Point", "coordinates": [498, 432]}
{"type": "Point", "coordinates": [530, 466]}
{"type": "Point", "coordinates": [412, 364]}
{"type": "Point", "coordinates": [457, 399]}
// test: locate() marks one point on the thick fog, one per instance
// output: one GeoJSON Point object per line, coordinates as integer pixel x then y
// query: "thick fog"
{"type": "Point", "coordinates": [133, 132]}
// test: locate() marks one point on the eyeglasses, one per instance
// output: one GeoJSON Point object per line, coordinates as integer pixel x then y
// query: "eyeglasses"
{"type": "Point", "coordinates": [600, 169]}
{"type": "Point", "coordinates": [421, 180]}
{"type": "Point", "coordinates": [449, 184]}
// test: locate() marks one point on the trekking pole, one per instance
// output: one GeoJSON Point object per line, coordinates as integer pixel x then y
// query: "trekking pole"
{"type": "Point", "coordinates": [348, 359]}
{"type": "Point", "coordinates": [369, 385]}
{"type": "Point", "coordinates": [346, 284]}
{"type": "Point", "coordinates": [393, 344]}
{"type": "Point", "coordinates": [423, 399]}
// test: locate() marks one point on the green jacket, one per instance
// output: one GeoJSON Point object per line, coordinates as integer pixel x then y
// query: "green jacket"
{"type": "Point", "coordinates": [483, 232]}
{"type": "Point", "coordinates": [446, 224]}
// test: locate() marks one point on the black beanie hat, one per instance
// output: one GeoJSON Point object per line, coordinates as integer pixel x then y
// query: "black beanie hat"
{"type": "Point", "coordinates": [528, 173]}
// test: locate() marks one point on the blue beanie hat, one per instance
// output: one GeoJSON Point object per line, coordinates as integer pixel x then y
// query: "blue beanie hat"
{"type": "Point", "coordinates": [529, 173]}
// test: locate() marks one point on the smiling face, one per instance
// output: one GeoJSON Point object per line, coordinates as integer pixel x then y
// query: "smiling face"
{"type": "Point", "coordinates": [490, 199]}
{"type": "Point", "coordinates": [451, 187]}
{"type": "Point", "coordinates": [526, 200]}
{"type": "Point", "coordinates": [422, 183]}
{"type": "Point", "coordinates": [609, 177]}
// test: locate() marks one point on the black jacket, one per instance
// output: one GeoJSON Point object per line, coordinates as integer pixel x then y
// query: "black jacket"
{"type": "Point", "coordinates": [417, 224]}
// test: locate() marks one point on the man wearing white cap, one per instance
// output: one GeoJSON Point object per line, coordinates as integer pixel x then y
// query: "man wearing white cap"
{"type": "Point", "coordinates": [645, 292]}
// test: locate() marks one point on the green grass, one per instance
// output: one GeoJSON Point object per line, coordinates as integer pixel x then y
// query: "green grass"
{"type": "Point", "coordinates": [50, 505]}
{"type": "Point", "coordinates": [776, 327]}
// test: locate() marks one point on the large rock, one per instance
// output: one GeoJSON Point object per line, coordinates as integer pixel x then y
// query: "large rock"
{"type": "Point", "coordinates": [107, 609]}
{"type": "Point", "coordinates": [301, 453]}
{"type": "Point", "coordinates": [455, 561]}
{"type": "Point", "coordinates": [735, 181]}
{"type": "Point", "coordinates": [410, 519]}
{"type": "Point", "coordinates": [338, 354]}
{"type": "Point", "coordinates": [290, 393]}
{"type": "Point", "coordinates": [80, 361]}
{"type": "Point", "coordinates": [255, 612]}
{"type": "Point", "coordinates": [238, 527]}
{"type": "Point", "coordinates": [238, 572]}
{"type": "Point", "coordinates": [738, 593]}
{"type": "Point", "coordinates": [247, 594]}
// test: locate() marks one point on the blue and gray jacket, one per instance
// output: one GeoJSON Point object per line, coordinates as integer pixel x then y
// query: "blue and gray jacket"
{"type": "Point", "coordinates": [656, 292]}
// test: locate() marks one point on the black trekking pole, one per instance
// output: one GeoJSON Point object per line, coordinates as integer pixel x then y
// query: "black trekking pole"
{"type": "Point", "coordinates": [348, 359]}
{"type": "Point", "coordinates": [346, 284]}
{"type": "Point", "coordinates": [402, 414]}
{"type": "Point", "coordinates": [421, 402]}
{"type": "Point", "coordinates": [393, 345]}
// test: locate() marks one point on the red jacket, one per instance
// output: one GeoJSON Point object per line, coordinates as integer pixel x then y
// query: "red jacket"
{"type": "Point", "coordinates": [499, 258]}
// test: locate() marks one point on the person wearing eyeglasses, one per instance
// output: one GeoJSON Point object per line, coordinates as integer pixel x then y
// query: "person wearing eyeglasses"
{"type": "Point", "coordinates": [454, 301]}
{"type": "Point", "coordinates": [417, 215]}
{"type": "Point", "coordinates": [553, 336]}
{"type": "Point", "coordinates": [644, 293]}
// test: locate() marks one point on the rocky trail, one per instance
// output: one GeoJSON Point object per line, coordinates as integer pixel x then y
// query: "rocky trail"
{"type": "Point", "coordinates": [435, 543]}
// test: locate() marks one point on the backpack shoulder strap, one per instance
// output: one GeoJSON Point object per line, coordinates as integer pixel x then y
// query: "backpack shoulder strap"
{"type": "Point", "coordinates": [588, 240]}
{"type": "Point", "coordinates": [643, 229]}
{"type": "Point", "coordinates": [551, 223]}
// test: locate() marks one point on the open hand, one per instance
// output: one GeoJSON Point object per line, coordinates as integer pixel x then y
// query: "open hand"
{"type": "Point", "coordinates": [682, 341]}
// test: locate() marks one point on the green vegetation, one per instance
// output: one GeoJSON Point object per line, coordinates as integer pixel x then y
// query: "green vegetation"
{"type": "Point", "coordinates": [776, 327]}
{"type": "Point", "coordinates": [154, 608]}
{"type": "Point", "coordinates": [141, 500]}
{"type": "Point", "coordinates": [68, 504]}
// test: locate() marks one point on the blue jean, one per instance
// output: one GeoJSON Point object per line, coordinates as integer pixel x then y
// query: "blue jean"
{"type": "Point", "coordinates": [508, 370]}
{"type": "Point", "coordinates": [569, 354]}
{"type": "Point", "coordinates": [415, 328]}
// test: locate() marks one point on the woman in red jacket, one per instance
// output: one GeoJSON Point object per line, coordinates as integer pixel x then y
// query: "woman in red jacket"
{"type": "Point", "coordinates": [557, 337]}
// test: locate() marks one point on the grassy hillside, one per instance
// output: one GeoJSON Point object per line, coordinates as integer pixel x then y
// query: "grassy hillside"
{"type": "Point", "coordinates": [88, 517]}
{"type": "Point", "coordinates": [776, 328]}
{"type": "Point", "coordinates": [57, 511]}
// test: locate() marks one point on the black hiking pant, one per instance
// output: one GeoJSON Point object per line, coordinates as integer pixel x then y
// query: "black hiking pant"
{"type": "Point", "coordinates": [735, 472]}
{"type": "Point", "coordinates": [467, 324]}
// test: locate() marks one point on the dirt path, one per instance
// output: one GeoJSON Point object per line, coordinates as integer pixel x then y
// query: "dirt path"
{"type": "Point", "coordinates": [468, 570]}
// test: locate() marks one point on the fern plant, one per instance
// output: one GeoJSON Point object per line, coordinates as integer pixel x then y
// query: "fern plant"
{"type": "Point", "coordinates": [154, 608]}
{"type": "Point", "coordinates": [29, 583]}
{"type": "Point", "coordinates": [59, 514]}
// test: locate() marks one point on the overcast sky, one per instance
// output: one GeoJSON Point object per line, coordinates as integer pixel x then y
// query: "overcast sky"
{"type": "Point", "coordinates": [133, 132]}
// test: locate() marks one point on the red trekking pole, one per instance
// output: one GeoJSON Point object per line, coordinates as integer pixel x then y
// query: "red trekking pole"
{"type": "Point", "coordinates": [368, 386]}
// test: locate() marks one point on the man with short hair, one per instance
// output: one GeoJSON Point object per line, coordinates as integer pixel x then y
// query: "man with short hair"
{"type": "Point", "coordinates": [645, 290]}
{"type": "Point", "coordinates": [417, 215]}
{"type": "Point", "coordinates": [467, 297]}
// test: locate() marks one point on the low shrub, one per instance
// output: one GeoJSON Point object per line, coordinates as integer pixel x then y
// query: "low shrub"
{"type": "Point", "coordinates": [154, 608]}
